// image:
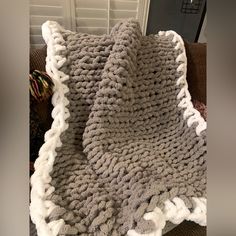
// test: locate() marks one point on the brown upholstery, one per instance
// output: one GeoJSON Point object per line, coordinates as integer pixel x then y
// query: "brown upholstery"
{"type": "Point", "coordinates": [44, 108]}
{"type": "Point", "coordinates": [187, 228]}
{"type": "Point", "coordinates": [196, 70]}
{"type": "Point", "coordinates": [38, 59]}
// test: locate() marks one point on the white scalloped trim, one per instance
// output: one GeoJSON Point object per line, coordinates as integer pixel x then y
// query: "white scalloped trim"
{"type": "Point", "coordinates": [176, 211]}
{"type": "Point", "coordinates": [190, 114]}
{"type": "Point", "coordinates": [40, 208]}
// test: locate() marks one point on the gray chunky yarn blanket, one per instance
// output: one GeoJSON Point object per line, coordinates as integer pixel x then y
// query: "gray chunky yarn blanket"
{"type": "Point", "coordinates": [126, 152]}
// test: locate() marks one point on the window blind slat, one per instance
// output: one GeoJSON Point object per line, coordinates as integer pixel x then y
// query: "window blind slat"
{"type": "Point", "coordinates": [91, 13]}
{"type": "Point", "coordinates": [46, 2]}
{"type": "Point", "coordinates": [122, 14]}
{"type": "Point", "coordinates": [124, 5]}
{"type": "Point", "coordinates": [46, 10]}
{"type": "Point", "coordinates": [93, 4]}
{"type": "Point", "coordinates": [39, 20]}
{"type": "Point", "coordinates": [91, 22]}
{"type": "Point", "coordinates": [37, 39]}
{"type": "Point", "coordinates": [35, 46]}
{"type": "Point", "coordinates": [35, 30]}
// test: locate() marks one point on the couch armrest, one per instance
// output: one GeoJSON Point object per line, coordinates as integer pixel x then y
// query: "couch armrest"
{"type": "Point", "coordinates": [196, 70]}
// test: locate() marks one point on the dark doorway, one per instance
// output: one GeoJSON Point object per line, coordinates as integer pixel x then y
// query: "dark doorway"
{"type": "Point", "coordinates": [183, 16]}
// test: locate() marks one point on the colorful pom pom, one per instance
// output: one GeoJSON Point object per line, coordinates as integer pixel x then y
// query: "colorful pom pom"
{"type": "Point", "coordinates": [41, 85]}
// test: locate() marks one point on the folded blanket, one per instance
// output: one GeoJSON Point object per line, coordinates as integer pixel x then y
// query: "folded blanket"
{"type": "Point", "coordinates": [126, 152]}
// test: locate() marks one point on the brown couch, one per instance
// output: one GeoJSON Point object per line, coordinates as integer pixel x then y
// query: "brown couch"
{"type": "Point", "coordinates": [196, 77]}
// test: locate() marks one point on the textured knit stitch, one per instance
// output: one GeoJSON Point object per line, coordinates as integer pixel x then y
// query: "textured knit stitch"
{"type": "Point", "coordinates": [127, 148]}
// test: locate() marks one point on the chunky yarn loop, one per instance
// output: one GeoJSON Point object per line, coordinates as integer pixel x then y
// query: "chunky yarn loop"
{"type": "Point", "coordinates": [126, 153]}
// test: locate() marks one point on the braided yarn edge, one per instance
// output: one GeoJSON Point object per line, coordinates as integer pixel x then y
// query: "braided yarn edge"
{"type": "Point", "coordinates": [40, 208]}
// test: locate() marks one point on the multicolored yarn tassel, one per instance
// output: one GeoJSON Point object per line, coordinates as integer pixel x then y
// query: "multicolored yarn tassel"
{"type": "Point", "coordinates": [41, 85]}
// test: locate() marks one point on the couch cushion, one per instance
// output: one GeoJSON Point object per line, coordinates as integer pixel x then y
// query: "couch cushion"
{"type": "Point", "coordinates": [38, 59]}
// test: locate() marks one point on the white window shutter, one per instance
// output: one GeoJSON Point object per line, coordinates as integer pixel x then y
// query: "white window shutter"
{"type": "Point", "coordinates": [91, 16]}
{"type": "Point", "coordinates": [142, 14]}
{"type": "Point", "coordinates": [87, 16]}
{"type": "Point", "coordinates": [99, 16]}
{"type": "Point", "coordinates": [43, 10]}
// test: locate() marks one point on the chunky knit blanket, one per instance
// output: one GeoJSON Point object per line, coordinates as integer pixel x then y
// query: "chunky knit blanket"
{"type": "Point", "coordinates": [126, 152]}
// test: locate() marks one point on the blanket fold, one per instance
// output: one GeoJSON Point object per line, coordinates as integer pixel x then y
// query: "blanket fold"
{"type": "Point", "coordinates": [126, 152]}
